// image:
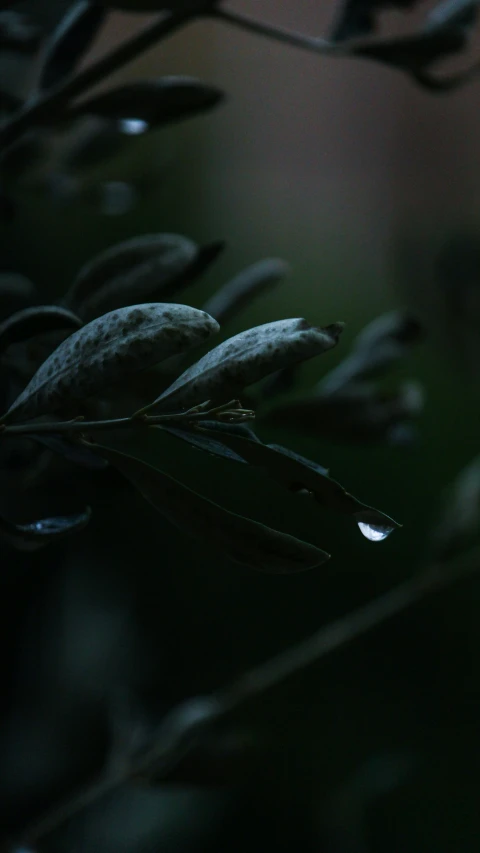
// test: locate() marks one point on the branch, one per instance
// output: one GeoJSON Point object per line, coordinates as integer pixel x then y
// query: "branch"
{"type": "Point", "coordinates": [290, 37]}
{"type": "Point", "coordinates": [182, 733]}
{"type": "Point", "coordinates": [47, 106]}
{"type": "Point", "coordinates": [231, 412]}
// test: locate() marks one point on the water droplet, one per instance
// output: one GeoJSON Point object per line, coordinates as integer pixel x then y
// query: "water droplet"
{"type": "Point", "coordinates": [133, 126]}
{"type": "Point", "coordinates": [374, 532]}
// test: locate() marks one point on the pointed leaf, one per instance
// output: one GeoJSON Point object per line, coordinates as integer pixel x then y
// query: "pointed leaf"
{"type": "Point", "coordinates": [246, 358]}
{"type": "Point", "coordinates": [70, 42]}
{"type": "Point", "coordinates": [296, 473]}
{"type": "Point", "coordinates": [129, 272]}
{"type": "Point", "coordinates": [105, 350]}
{"type": "Point", "coordinates": [251, 282]}
{"type": "Point", "coordinates": [379, 345]}
{"type": "Point", "coordinates": [26, 324]}
{"type": "Point", "coordinates": [358, 412]}
{"type": "Point", "coordinates": [151, 104]}
{"type": "Point", "coordinates": [240, 539]}
{"type": "Point", "coordinates": [210, 438]}
{"type": "Point", "coordinates": [37, 534]}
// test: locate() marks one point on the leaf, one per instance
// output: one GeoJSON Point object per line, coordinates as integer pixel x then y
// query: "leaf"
{"type": "Point", "coordinates": [18, 33]}
{"type": "Point", "coordinates": [240, 539]}
{"type": "Point", "coordinates": [71, 450]}
{"type": "Point", "coordinates": [458, 528]}
{"type": "Point", "coordinates": [446, 32]}
{"type": "Point", "coordinates": [70, 41]}
{"type": "Point", "coordinates": [359, 413]}
{"type": "Point", "coordinates": [105, 350]}
{"type": "Point", "coordinates": [37, 534]}
{"type": "Point", "coordinates": [213, 443]}
{"type": "Point", "coordinates": [130, 271]}
{"type": "Point", "coordinates": [358, 17]}
{"type": "Point", "coordinates": [205, 256]}
{"type": "Point", "coordinates": [151, 104]}
{"type": "Point", "coordinates": [246, 358]}
{"type": "Point", "coordinates": [298, 473]}
{"type": "Point", "coordinates": [237, 293]}
{"type": "Point", "coordinates": [378, 346]}
{"type": "Point", "coordinates": [26, 324]}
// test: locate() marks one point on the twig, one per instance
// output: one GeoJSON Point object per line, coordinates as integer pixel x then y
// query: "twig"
{"type": "Point", "coordinates": [294, 39]}
{"type": "Point", "coordinates": [231, 412]}
{"type": "Point", "coordinates": [185, 728]}
{"type": "Point", "coordinates": [47, 106]}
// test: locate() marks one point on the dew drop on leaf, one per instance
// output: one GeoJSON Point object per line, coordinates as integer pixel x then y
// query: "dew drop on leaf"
{"type": "Point", "coordinates": [133, 126]}
{"type": "Point", "coordinates": [374, 532]}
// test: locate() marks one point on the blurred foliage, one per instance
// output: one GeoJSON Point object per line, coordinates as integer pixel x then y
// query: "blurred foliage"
{"type": "Point", "coordinates": [376, 748]}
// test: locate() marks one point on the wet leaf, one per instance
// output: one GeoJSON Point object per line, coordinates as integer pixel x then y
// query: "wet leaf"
{"type": "Point", "coordinates": [151, 104]}
{"type": "Point", "coordinates": [29, 322]}
{"type": "Point", "coordinates": [38, 534]}
{"type": "Point", "coordinates": [136, 269]}
{"type": "Point", "coordinates": [70, 41]}
{"type": "Point", "coordinates": [105, 350]}
{"type": "Point", "coordinates": [246, 358]}
{"type": "Point", "coordinates": [240, 539]}
{"type": "Point", "coordinates": [358, 413]}
{"type": "Point", "coordinates": [458, 528]}
{"type": "Point", "coordinates": [297, 473]}
{"type": "Point", "coordinates": [381, 344]}
{"type": "Point", "coordinates": [251, 282]}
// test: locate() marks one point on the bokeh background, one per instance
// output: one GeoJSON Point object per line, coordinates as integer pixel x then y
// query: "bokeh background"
{"type": "Point", "coordinates": [359, 180]}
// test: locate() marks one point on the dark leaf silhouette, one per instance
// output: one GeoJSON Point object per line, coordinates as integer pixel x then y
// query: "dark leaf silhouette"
{"type": "Point", "coordinates": [70, 42]}
{"type": "Point", "coordinates": [458, 528]}
{"type": "Point", "coordinates": [240, 539]}
{"type": "Point", "coordinates": [151, 266]}
{"type": "Point", "coordinates": [298, 473]}
{"type": "Point", "coordinates": [151, 104]}
{"type": "Point", "coordinates": [238, 293]}
{"type": "Point", "coordinates": [26, 324]}
{"type": "Point", "coordinates": [360, 413]}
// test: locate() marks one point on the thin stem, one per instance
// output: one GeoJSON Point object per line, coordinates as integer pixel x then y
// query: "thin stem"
{"type": "Point", "coordinates": [50, 104]}
{"type": "Point", "coordinates": [290, 37]}
{"type": "Point", "coordinates": [228, 411]}
{"type": "Point", "coordinates": [181, 733]}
